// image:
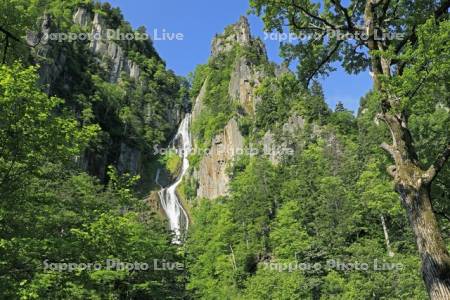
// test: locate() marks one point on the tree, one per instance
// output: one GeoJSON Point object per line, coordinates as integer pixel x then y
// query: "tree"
{"type": "Point", "coordinates": [354, 35]}
{"type": "Point", "coordinates": [339, 107]}
{"type": "Point", "coordinates": [31, 134]}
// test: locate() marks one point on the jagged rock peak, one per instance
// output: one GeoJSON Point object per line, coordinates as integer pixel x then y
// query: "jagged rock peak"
{"type": "Point", "coordinates": [235, 33]}
{"type": "Point", "coordinates": [105, 47]}
{"type": "Point", "coordinates": [82, 17]}
{"type": "Point", "coordinates": [242, 30]}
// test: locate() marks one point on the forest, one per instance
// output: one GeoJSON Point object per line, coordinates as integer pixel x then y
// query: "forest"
{"type": "Point", "coordinates": [120, 179]}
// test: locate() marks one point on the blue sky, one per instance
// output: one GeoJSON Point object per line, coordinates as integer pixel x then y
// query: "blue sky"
{"type": "Point", "coordinates": [200, 20]}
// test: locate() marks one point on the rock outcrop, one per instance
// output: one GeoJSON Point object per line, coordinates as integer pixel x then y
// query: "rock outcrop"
{"type": "Point", "coordinates": [198, 104]}
{"type": "Point", "coordinates": [236, 33]}
{"type": "Point", "coordinates": [82, 17]}
{"type": "Point", "coordinates": [112, 63]}
{"type": "Point", "coordinates": [130, 160]}
{"type": "Point", "coordinates": [276, 147]}
{"type": "Point", "coordinates": [212, 177]}
{"type": "Point", "coordinates": [244, 80]}
{"type": "Point", "coordinates": [246, 75]}
{"type": "Point", "coordinates": [104, 47]}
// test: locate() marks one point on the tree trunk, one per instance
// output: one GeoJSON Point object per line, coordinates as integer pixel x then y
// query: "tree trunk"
{"type": "Point", "coordinates": [411, 181]}
{"type": "Point", "coordinates": [386, 237]}
{"type": "Point", "coordinates": [414, 185]}
{"type": "Point", "coordinates": [432, 250]}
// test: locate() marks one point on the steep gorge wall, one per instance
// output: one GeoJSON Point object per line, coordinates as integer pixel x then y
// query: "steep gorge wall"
{"type": "Point", "coordinates": [212, 177]}
{"type": "Point", "coordinates": [211, 174]}
{"type": "Point", "coordinates": [121, 145]}
{"type": "Point", "coordinates": [249, 69]}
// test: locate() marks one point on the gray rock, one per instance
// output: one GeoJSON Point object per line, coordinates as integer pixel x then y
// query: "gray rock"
{"type": "Point", "coordinates": [236, 33]}
{"type": "Point", "coordinates": [82, 17]}
{"type": "Point", "coordinates": [129, 160]}
{"type": "Point", "coordinates": [199, 105]}
{"type": "Point", "coordinates": [212, 178]}
{"type": "Point", "coordinates": [133, 69]}
{"type": "Point", "coordinates": [244, 80]}
{"type": "Point", "coordinates": [293, 124]}
{"type": "Point", "coordinates": [275, 148]}
{"type": "Point", "coordinates": [281, 69]}
{"type": "Point", "coordinates": [103, 47]}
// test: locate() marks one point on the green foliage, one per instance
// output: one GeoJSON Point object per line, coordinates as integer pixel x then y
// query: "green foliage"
{"type": "Point", "coordinates": [197, 79]}
{"type": "Point", "coordinates": [283, 96]}
{"type": "Point", "coordinates": [212, 273]}
{"type": "Point", "coordinates": [343, 120]}
{"type": "Point", "coordinates": [410, 81]}
{"type": "Point", "coordinates": [272, 284]}
{"type": "Point", "coordinates": [172, 162]}
{"type": "Point", "coordinates": [218, 105]}
{"type": "Point", "coordinates": [278, 96]}
{"type": "Point", "coordinates": [135, 113]}
{"type": "Point", "coordinates": [325, 202]}
{"type": "Point", "coordinates": [55, 214]}
{"type": "Point", "coordinates": [194, 160]}
{"type": "Point", "coordinates": [31, 133]}
{"type": "Point", "coordinates": [317, 206]}
{"type": "Point", "coordinates": [188, 190]}
{"type": "Point", "coordinates": [287, 236]}
{"type": "Point", "coordinates": [252, 56]}
{"type": "Point", "coordinates": [17, 17]}
{"type": "Point", "coordinates": [77, 221]}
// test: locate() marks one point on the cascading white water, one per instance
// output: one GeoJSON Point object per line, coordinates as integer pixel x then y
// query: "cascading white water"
{"type": "Point", "coordinates": [169, 200]}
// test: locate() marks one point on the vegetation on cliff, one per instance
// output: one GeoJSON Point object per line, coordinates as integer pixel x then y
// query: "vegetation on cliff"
{"type": "Point", "coordinates": [79, 122]}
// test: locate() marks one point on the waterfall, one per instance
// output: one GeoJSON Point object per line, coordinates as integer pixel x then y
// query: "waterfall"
{"type": "Point", "coordinates": [175, 212]}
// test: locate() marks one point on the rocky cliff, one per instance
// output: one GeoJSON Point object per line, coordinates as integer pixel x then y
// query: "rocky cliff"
{"type": "Point", "coordinates": [111, 81]}
{"type": "Point", "coordinates": [246, 66]}
{"type": "Point", "coordinates": [212, 176]}
{"type": "Point", "coordinates": [245, 76]}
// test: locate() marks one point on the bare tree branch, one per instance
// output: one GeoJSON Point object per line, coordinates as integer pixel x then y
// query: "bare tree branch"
{"type": "Point", "coordinates": [412, 37]}
{"type": "Point", "coordinates": [9, 34]}
{"type": "Point", "coordinates": [442, 9]}
{"type": "Point", "coordinates": [311, 15]}
{"type": "Point", "coordinates": [385, 9]}
{"type": "Point", "coordinates": [294, 23]}
{"type": "Point", "coordinates": [438, 164]}
{"type": "Point", "coordinates": [344, 10]}
{"type": "Point", "coordinates": [323, 62]}
{"type": "Point", "coordinates": [442, 214]}
{"type": "Point", "coordinates": [5, 49]}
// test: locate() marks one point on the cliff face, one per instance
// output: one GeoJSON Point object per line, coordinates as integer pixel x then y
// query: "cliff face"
{"type": "Point", "coordinates": [246, 75]}
{"type": "Point", "coordinates": [199, 102]}
{"type": "Point", "coordinates": [238, 33]}
{"type": "Point", "coordinates": [275, 146]}
{"type": "Point", "coordinates": [212, 177]}
{"type": "Point", "coordinates": [244, 79]}
{"type": "Point", "coordinates": [96, 67]}
{"type": "Point", "coordinates": [103, 47]}
{"type": "Point", "coordinates": [249, 67]}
